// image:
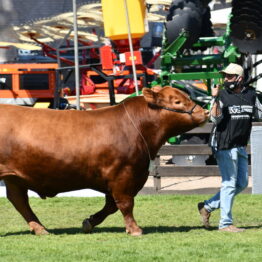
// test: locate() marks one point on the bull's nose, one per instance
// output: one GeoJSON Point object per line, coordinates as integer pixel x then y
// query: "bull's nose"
{"type": "Point", "coordinates": [206, 117]}
{"type": "Point", "coordinates": [207, 114]}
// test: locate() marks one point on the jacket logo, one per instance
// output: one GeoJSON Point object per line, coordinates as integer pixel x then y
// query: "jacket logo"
{"type": "Point", "coordinates": [240, 109]}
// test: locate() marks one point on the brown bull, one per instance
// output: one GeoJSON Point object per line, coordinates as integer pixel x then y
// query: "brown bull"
{"type": "Point", "coordinates": [108, 150]}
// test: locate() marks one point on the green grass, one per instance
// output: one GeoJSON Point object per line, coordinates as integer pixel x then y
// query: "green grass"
{"type": "Point", "coordinates": [171, 224]}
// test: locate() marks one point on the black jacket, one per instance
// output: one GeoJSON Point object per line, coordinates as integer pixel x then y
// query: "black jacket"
{"type": "Point", "coordinates": [234, 127]}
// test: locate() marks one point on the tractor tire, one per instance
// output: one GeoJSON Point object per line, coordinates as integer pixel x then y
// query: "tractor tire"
{"type": "Point", "coordinates": [184, 15]}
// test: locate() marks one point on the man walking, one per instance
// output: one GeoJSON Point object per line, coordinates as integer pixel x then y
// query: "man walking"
{"type": "Point", "coordinates": [232, 112]}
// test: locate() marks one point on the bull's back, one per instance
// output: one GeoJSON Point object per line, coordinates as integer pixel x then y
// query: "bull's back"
{"type": "Point", "coordinates": [46, 125]}
{"type": "Point", "coordinates": [39, 143]}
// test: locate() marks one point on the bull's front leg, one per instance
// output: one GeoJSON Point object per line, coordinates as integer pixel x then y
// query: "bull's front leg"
{"type": "Point", "coordinates": [19, 198]}
{"type": "Point", "coordinates": [126, 205]}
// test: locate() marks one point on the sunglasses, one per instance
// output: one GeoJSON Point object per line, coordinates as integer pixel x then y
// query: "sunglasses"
{"type": "Point", "coordinates": [229, 76]}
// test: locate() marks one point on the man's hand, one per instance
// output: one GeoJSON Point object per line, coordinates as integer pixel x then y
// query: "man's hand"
{"type": "Point", "coordinates": [215, 110]}
{"type": "Point", "coordinates": [215, 91]}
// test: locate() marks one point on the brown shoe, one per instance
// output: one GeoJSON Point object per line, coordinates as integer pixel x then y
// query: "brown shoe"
{"type": "Point", "coordinates": [205, 215]}
{"type": "Point", "coordinates": [232, 229]}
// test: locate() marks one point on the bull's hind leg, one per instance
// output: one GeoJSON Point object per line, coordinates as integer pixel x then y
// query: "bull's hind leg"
{"type": "Point", "coordinates": [109, 208]}
{"type": "Point", "coordinates": [19, 198]}
{"type": "Point", "coordinates": [126, 204]}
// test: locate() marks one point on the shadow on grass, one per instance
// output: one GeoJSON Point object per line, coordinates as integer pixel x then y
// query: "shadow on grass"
{"type": "Point", "coordinates": [146, 230]}
{"type": "Point", "coordinates": [252, 227]}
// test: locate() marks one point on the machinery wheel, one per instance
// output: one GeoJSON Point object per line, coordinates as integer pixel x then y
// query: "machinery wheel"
{"type": "Point", "coordinates": [192, 16]}
{"type": "Point", "coordinates": [245, 26]}
{"type": "Point", "coordinates": [187, 16]}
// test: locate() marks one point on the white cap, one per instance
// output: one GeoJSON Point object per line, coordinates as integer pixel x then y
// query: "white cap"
{"type": "Point", "coordinates": [233, 69]}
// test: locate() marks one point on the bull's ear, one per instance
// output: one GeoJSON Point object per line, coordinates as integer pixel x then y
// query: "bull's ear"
{"type": "Point", "coordinates": [149, 95]}
{"type": "Point", "coordinates": [157, 88]}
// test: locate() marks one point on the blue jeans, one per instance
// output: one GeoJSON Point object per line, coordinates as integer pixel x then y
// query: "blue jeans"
{"type": "Point", "coordinates": [233, 166]}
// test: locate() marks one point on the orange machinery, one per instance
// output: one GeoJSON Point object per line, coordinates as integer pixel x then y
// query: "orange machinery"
{"type": "Point", "coordinates": [108, 69]}
{"type": "Point", "coordinates": [26, 84]}
{"type": "Point", "coordinates": [115, 72]}
{"type": "Point", "coordinates": [118, 70]}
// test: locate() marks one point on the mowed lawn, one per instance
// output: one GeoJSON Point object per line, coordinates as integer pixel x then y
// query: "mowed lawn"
{"type": "Point", "coordinates": [171, 224]}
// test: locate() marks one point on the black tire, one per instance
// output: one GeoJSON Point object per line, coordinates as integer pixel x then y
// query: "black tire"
{"type": "Point", "coordinates": [185, 15]}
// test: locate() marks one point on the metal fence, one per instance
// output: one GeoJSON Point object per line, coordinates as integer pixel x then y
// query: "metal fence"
{"type": "Point", "coordinates": [172, 170]}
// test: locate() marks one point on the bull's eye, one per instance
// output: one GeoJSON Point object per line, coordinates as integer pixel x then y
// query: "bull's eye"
{"type": "Point", "coordinates": [177, 102]}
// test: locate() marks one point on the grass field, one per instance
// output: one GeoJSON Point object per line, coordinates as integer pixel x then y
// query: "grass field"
{"type": "Point", "coordinates": [171, 224]}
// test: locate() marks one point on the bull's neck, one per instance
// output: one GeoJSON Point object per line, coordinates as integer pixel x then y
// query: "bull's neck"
{"type": "Point", "coordinates": [147, 124]}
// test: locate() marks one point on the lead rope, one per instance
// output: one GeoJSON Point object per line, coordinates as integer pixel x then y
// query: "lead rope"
{"type": "Point", "coordinates": [138, 132]}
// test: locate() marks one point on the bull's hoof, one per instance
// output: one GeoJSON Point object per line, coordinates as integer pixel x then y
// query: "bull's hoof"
{"type": "Point", "coordinates": [87, 227]}
{"type": "Point", "coordinates": [136, 233]}
{"type": "Point", "coordinates": [37, 229]}
{"type": "Point", "coordinates": [40, 232]}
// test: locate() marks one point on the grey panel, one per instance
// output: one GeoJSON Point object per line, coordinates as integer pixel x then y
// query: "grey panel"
{"type": "Point", "coordinates": [256, 159]}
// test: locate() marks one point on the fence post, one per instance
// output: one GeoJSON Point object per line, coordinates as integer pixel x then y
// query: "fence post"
{"type": "Point", "coordinates": [157, 177]}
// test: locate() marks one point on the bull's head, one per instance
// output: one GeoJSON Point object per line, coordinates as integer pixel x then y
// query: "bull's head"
{"type": "Point", "coordinates": [176, 104]}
